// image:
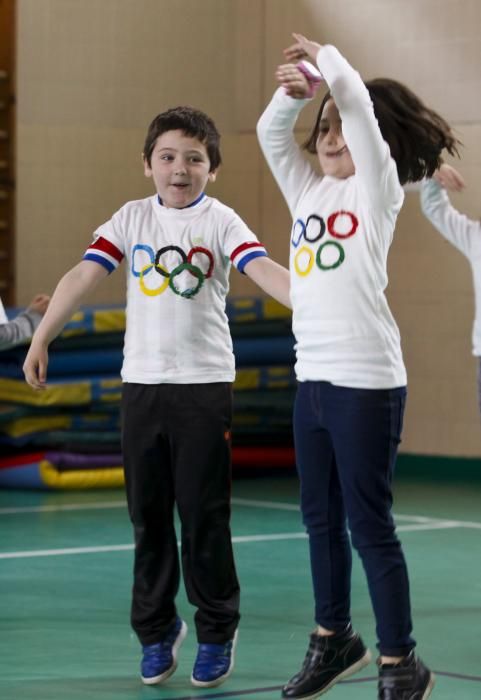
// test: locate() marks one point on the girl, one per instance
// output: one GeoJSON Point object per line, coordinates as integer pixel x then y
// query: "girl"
{"type": "Point", "coordinates": [369, 139]}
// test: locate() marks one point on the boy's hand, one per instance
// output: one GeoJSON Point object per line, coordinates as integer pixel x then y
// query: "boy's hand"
{"type": "Point", "coordinates": [303, 48]}
{"type": "Point", "coordinates": [293, 81]}
{"type": "Point", "coordinates": [35, 366]}
{"type": "Point", "coordinates": [449, 178]}
{"type": "Point", "coordinates": [39, 303]}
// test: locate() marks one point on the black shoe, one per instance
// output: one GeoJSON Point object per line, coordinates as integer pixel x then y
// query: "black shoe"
{"type": "Point", "coordinates": [328, 660]}
{"type": "Point", "coordinates": [407, 680]}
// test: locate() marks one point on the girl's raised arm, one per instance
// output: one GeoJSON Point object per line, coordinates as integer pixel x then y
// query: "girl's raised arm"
{"type": "Point", "coordinates": [275, 130]}
{"type": "Point", "coordinates": [369, 151]}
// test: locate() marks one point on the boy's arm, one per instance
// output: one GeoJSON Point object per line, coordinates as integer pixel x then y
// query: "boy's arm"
{"type": "Point", "coordinates": [69, 294]}
{"type": "Point", "coordinates": [271, 277]}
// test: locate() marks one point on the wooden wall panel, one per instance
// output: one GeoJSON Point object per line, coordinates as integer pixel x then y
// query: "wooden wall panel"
{"type": "Point", "coordinates": [92, 73]}
{"type": "Point", "coordinates": [7, 150]}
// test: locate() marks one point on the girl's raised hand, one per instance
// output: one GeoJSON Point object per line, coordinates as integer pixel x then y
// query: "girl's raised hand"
{"type": "Point", "coordinates": [293, 81]}
{"type": "Point", "coordinates": [303, 48]}
{"type": "Point", "coordinates": [449, 178]}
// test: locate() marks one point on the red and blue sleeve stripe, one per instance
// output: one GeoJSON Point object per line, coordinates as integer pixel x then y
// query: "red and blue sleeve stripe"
{"type": "Point", "coordinates": [247, 252]}
{"type": "Point", "coordinates": [104, 253]}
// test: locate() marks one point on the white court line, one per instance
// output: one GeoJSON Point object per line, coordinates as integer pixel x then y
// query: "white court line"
{"type": "Point", "coordinates": [265, 504]}
{"type": "Point", "coordinates": [276, 505]}
{"type": "Point", "coordinates": [120, 504]}
{"type": "Point", "coordinates": [125, 547]}
{"type": "Point", "coordinates": [416, 518]}
{"type": "Point", "coordinates": [442, 524]}
{"type": "Point", "coordinates": [422, 522]}
{"type": "Point", "coordinates": [99, 505]}
{"type": "Point", "coordinates": [66, 551]}
{"type": "Point", "coordinates": [67, 507]}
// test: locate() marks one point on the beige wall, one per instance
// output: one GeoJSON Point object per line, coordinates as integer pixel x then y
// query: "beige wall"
{"type": "Point", "coordinates": [92, 73]}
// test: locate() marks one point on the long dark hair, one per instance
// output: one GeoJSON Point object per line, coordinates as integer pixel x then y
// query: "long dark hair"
{"type": "Point", "coordinates": [416, 135]}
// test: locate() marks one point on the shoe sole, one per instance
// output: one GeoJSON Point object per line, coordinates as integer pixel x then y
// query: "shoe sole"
{"type": "Point", "coordinates": [221, 679]}
{"type": "Point", "coordinates": [431, 684]}
{"type": "Point", "coordinates": [351, 670]}
{"type": "Point", "coordinates": [155, 680]}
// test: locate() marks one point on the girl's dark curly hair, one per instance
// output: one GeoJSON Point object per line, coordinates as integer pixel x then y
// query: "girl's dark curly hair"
{"type": "Point", "coordinates": [416, 135]}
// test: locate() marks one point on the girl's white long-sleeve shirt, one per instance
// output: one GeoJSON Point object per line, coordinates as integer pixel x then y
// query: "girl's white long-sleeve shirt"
{"type": "Point", "coordinates": [342, 229]}
{"type": "Point", "coordinates": [463, 233]}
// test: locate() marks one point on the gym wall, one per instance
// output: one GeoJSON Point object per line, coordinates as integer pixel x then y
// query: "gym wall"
{"type": "Point", "coordinates": [91, 74]}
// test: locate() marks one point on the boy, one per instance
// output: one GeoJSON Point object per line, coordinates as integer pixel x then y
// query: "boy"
{"type": "Point", "coordinates": [178, 371]}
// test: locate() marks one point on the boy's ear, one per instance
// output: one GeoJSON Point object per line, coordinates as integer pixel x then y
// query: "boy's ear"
{"type": "Point", "coordinates": [213, 175]}
{"type": "Point", "coordinates": [147, 168]}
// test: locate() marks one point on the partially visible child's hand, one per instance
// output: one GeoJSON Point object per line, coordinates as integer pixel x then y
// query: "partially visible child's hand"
{"type": "Point", "coordinates": [449, 178]}
{"type": "Point", "coordinates": [39, 303]}
{"type": "Point", "coordinates": [293, 81]}
{"type": "Point", "coordinates": [303, 48]}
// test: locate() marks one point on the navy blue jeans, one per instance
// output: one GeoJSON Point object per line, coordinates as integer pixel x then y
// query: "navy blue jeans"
{"type": "Point", "coordinates": [346, 445]}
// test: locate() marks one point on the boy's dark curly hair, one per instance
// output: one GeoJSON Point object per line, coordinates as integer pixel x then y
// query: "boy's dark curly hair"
{"type": "Point", "coordinates": [192, 122]}
{"type": "Point", "coordinates": [416, 135]}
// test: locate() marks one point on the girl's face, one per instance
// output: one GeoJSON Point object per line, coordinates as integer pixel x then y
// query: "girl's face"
{"type": "Point", "coordinates": [332, 151]}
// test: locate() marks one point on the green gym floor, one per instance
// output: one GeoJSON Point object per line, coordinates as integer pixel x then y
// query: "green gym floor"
{"type": "Point", "coordinates": [65, 579]}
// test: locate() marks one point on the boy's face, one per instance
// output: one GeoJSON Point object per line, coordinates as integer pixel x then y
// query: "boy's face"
{"type": "Point", "coordinates": [179, 168]}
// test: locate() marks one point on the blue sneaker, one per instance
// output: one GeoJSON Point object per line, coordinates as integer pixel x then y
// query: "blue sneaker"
{"type": "Point", "coordinates": [159, 660]}
{"type": "Point", "coordinates": [214, 663]}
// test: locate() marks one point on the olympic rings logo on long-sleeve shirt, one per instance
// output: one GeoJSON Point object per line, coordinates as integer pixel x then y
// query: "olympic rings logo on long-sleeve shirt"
{"type": "Point", "coordinates": [168, 277]}
{"type": "Point", "coordinates": [330, 254]}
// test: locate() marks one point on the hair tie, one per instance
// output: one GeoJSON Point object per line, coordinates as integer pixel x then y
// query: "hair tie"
{"type": "Point", "coordinates": [312, 75]}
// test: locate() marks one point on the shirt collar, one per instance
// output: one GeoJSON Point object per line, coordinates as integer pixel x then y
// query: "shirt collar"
{"type": "Point", "coordinates": [192, 204]}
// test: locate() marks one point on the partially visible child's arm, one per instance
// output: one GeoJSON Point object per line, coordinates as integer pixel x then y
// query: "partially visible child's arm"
{"type": "Point", "coordinates": [69, 294]}
{"type": "Point", "coordinates": [271, 277]}
{"type": "Point", "coordinates": [449, 178]}
{"type": "Point", "coordinates": [21, 328]}
{"type": "Point", "coordinates": [457, 228]}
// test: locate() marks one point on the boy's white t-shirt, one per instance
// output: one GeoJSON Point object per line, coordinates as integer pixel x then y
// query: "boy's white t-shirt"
{"type": "Point", "coordinates": [342, 229]}
{"type": "Point", "coordinates": [168, 252]}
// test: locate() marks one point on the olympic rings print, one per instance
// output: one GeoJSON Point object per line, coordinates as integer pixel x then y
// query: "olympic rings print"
{"type": "Point", "coordinates": [340, 225]}
{"type": "Point", "coordinates": [185, 265]}
{"type": "Point", "coordinates": [336, 263]}
{"type": "Point", "coordinates": [297, 261]}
